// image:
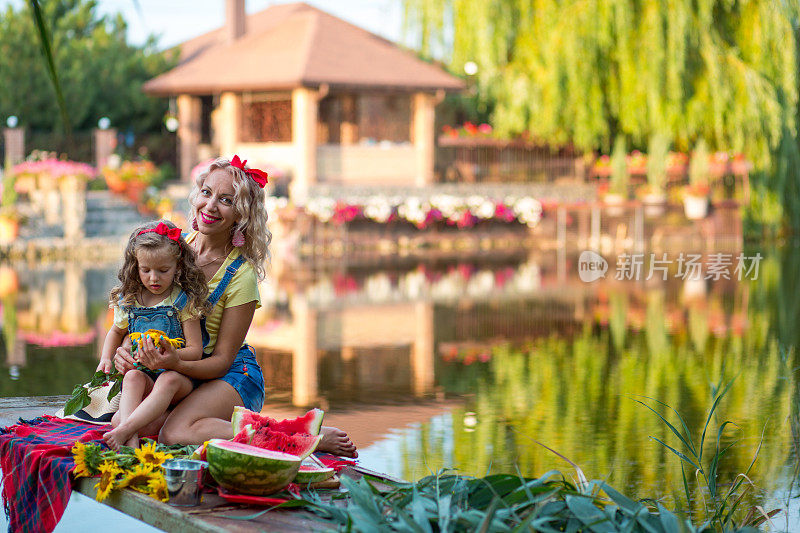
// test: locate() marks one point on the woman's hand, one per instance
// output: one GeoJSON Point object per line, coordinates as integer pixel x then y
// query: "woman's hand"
{"type": "Point", "coordinates": [123, 360]}
{"type": "Point", "coordinates": [158, 356]}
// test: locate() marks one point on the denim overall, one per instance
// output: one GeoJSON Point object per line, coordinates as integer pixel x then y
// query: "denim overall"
{"type": "Point", "coordinates": [163, 318]}
{"type": "Point", "coordinates": [244, 375]}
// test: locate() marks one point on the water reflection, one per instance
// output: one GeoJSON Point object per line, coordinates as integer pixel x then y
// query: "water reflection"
{"type": "Point", "coordinates": [520, 348]}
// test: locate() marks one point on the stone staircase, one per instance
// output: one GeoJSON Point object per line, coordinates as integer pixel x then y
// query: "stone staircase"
{"type": "Point", "coordinates": [108, 214]}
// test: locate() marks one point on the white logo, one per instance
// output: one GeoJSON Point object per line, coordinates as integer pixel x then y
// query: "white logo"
{"type": "Point", "coordinates": [591, 266]}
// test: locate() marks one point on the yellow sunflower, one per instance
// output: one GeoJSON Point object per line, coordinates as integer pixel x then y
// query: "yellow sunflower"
{"type": "Point", "coordinates": [155, 335]}
{"type": "Point", "coordinates": [137, 477]}
{"type": "Point", "coordinates": [148, 455]}
{"type": "Point", "coordinates": [79, 455]}
{"type": "Point", "coordinates": [157, 487]}
{"type": "Point", "coordinates": [108, 474]}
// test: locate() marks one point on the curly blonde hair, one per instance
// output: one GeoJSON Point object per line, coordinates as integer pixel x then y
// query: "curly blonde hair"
{"type": "Point", "coordinates": [248, 201]}
{"type": "Point", "coordinates": [188, 276]}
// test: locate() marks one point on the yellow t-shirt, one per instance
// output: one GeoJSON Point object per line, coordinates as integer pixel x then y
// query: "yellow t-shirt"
{"type": "Point", "coordinates": [242, 289]}
{"type": "Point", "coordinates": [121, 316]}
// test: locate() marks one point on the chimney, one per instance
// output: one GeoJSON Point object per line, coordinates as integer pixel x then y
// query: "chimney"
{"type": "Point", "coordinates": [234, 19]}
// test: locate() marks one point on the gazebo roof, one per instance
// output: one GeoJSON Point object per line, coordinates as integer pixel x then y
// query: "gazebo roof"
{"type": "Point", "coordinates": [297, 45]}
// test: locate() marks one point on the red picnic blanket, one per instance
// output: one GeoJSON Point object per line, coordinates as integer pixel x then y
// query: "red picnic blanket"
{"type": "Point", "coordinates": [36, 460]}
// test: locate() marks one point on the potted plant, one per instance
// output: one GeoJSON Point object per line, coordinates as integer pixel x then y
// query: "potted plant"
{"type": "Point", "coordinates": [619, 177]}
{"type": "Point", "coordinates": [695, 195]}
{"type": "Point", "coordinates": [9, 217]}
{"type": "Point", "coordinates": [130, 178]}
{"type": "Point", "coordinates": [653, 194]}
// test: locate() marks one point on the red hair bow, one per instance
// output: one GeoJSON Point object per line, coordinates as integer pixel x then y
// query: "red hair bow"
{"type": "Point", "coordinates": [258, 176]}
{"type": "Point", "coordinates": [173, 234]}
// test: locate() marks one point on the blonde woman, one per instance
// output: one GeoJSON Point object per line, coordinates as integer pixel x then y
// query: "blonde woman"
{"type": "Point", "coordinates": [231, 243]}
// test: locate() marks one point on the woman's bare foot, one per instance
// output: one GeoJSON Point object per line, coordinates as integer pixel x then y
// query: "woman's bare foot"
{"type": "Point", "coordinates": [336, 441]}
{"type": "Point", "coordinates": [118, 437]}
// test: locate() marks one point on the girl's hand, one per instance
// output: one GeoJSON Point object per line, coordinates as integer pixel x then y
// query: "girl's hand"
{"type": "Point", "coordinates": [105, 366]}
{"type": "Point", "coordinates": [123, 360]}
{"type": "Point", "coordinates": [158, 356]}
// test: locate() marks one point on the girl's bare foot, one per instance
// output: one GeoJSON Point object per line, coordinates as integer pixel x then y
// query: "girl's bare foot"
{"type": "Point", "coordinates": [133, 442]}
{"type": "Point", "coordinates": [336, 441]}
{"type": "Point", "coordinates": [117, 437]}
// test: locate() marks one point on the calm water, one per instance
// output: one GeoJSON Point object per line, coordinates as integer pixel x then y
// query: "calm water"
{"type": "Point", "coordinates": [472, 365]}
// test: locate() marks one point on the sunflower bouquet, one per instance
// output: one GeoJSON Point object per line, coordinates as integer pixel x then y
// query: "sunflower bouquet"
{"type": "Point", "coordinates": [138, 469]}
{"type": "Point", "coordinates": [155, 335]}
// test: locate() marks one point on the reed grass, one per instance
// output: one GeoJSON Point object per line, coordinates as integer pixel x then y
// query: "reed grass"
{"type": "Point", "coordinates": [449, 502]}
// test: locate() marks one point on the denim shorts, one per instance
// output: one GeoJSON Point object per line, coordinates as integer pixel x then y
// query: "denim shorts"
{"type": "Point", "coordinates": [246, 377]}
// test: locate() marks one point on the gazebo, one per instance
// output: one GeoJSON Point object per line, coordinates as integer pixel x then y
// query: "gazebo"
{"type": "Point", "coordinates": [296, 88]}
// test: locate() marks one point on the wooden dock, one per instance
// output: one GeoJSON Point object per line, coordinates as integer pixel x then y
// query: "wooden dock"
{"type": "Point", "coordinates": [214, 514]}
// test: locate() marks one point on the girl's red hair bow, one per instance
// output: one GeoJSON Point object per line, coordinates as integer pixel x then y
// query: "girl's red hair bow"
{"type": "Point", "coordinates": [173, 234]}
{"type": "Point", "coordinates": [258, 176]}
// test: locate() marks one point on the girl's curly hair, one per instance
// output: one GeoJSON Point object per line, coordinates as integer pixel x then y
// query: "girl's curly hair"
{"type": "Point", "coordinates": [188, 275]}
{"type": "Point", "coordinates": [248, 201]}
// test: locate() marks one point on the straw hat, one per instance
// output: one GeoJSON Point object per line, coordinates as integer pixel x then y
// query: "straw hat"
{"type": "Point", "coordinates": [99, 411]}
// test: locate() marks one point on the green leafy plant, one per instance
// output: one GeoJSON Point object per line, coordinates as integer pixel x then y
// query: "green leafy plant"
{"type": "Point", "coordinates": [657, 153]}
{"type": "Point", "coordinates": [722, 503]}
{"type": "Point", "coordinates": [447, 501]}
{"type": "Point", "coordinates": [80, 397]}
{"type": "Point", "coordinates": [618, 183]}
{"type": "Point", "coordinates": [699, 169]}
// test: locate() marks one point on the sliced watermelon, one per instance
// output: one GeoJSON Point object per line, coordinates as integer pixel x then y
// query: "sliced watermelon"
{"type": "Point", "coordinates": [310, 423]}
{"type": "Point", "coordinates": [300, 444]}
{"type": "Point", "coordinates": [312, 474]}
{"type": "Point", "coordinates": [250, 470]}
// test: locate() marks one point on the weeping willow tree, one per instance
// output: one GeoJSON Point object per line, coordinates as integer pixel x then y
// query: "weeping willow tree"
{"type": "Point", "coordinates": [584, 71]}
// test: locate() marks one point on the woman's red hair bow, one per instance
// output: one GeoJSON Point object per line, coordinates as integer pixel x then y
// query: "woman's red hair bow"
{"type": "Point", "coordinates": [173, 234]}
{"type": "Point", "coordinates": [258, 176]}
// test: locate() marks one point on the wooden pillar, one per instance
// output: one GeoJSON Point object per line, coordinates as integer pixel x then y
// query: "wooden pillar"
{"type": "Point", "coordinates": [14, 139]}
{"type": "Point", "coordinates": [305, 104]}
{"type": "Point", "coordinates": [422, 135]}
{"type": "Point", "coordinates": [188, 133]}
{"type": "Point", "coordinates": [348, 131]}
{"type": "Point", "coordinates": [105, 142]}
{"type": "Point", "coordinates": [16, 356]}
{"type": "Point", "coordinates": [230, 111]}
{"type": "Point", "coordinates": [73, 313]}
{"type": "Point", "coordinates": [422, 349]}
{"type": "Point", "coordinates": [594, 241]}
{"type": "Point", "coordinates": [305, 354]}
{"type": "Point", "coordinates": [73, 206]}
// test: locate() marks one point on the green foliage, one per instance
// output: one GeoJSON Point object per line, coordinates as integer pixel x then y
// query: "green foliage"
{"type": "Point", "coordinates": [618, 183]}
{"type": "Point", "coordinates": [501, 502]}
{"type": "Point", "coordinates": [724, 500]}
{"type": "Point", "coordinates": [584, 71]}
{"type": "Point", "coordinates": [698, 164]}
{"type": "Point", "coordinates": [657, 152]}
{"type": "Point", "coordinates": [100, 74]}
{"type": "Point", "coordinates": [80, 397]}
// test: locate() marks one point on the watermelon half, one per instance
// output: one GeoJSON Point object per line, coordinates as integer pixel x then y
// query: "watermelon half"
{"type": "Point", "coordinates": [312, 474]}
{"type": "Point", "coordinates": [299, 444]}
{"type": "Point", "coordinates": [248, 469]}
{"type": "Point", "coordinates": [310, 423]}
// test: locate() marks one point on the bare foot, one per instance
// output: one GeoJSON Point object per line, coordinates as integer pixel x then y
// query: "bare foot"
{"type": "Point", "coordinates": [336, 441]}
{"type": "Point", "coordinates": [133, 442]}
{"type": "Point", "coordinates": [117, 437]}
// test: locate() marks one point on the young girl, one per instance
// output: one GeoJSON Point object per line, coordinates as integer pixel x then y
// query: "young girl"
{"type": "Point", "coordinates": [162, 292]}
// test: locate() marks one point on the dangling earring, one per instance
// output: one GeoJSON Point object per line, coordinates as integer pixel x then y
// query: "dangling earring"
{"type": "Point", "coordinates": [238, 237]}
{"type": "Point", "coordinates": [194, 225]}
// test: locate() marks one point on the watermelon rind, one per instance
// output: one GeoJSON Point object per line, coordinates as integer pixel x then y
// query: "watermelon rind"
{"type": "Point", "coordinates": [248, 469]}
{"type": "Point", "coordinates": [312, 474]}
